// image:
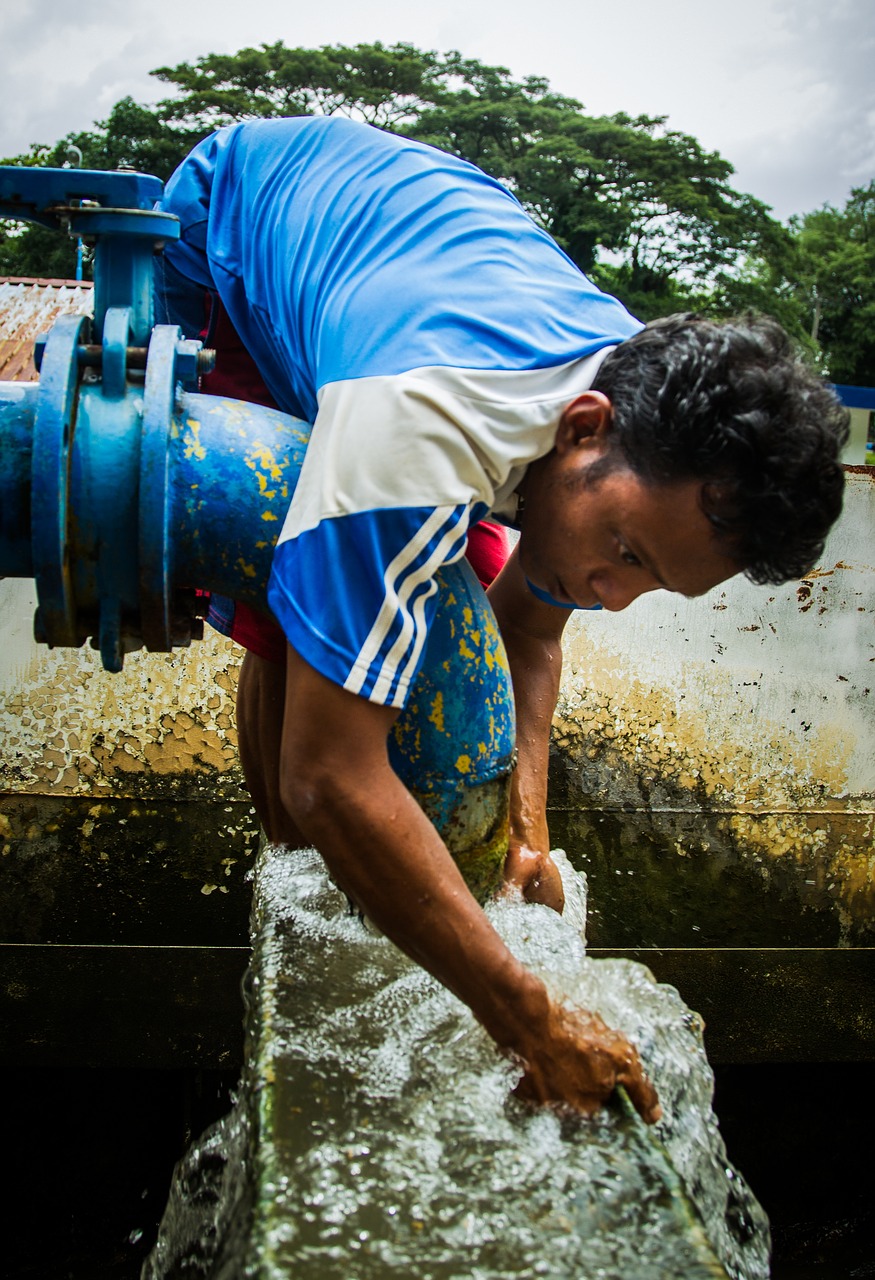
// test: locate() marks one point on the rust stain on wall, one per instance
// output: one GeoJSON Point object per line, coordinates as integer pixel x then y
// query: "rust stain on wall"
{"type": "Point", "coordinates": [691, 741]}
{"type": "Point", "coordinates": [70, 728]}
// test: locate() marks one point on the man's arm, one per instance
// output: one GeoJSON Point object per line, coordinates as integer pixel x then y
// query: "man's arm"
{"type": "Point", "coordinates": [532, 633]}
{"type": "Point", "coordinates": [340, 789]}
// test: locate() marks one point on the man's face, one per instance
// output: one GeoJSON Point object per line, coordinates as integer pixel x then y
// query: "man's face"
{"type": "Point", "coordinates": [607, 540]}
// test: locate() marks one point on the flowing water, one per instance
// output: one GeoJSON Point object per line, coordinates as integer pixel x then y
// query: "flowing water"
{"type": "Point", "coordinates": [405, 1154]}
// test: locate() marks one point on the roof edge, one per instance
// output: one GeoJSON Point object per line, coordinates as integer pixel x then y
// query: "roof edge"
{"type": "Point", "coordinates": [75, 284]}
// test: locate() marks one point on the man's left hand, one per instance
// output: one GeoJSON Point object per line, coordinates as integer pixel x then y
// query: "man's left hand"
{"type": "Point", "coordinates": [535, 875]}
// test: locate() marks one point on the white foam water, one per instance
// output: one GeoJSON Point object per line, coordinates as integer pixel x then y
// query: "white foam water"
{"type": "Point", "coordinates": [406, 1155]}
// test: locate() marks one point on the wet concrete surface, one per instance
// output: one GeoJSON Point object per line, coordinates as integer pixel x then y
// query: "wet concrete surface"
{"type": "Point", "coordinates": [91, 1152]}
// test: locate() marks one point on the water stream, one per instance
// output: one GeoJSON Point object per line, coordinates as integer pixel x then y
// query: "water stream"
{"type": "Point", "coordinates": [405, 1154]}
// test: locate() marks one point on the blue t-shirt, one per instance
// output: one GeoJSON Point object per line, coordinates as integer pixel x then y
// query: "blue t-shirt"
{"type": "Point", "coordinates": [408, 306]}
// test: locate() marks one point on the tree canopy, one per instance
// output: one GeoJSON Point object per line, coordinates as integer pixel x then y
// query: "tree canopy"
{"type": "Point", "coordinates": [644, 209]}
{"type": "Point", "coordinates": [834, 283]}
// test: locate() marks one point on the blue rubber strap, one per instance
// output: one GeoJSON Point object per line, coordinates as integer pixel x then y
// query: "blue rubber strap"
{"type": "Point", "coordinates": [559, 604]}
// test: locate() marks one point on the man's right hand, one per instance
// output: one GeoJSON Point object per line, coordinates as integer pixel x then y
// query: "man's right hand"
{"type": "Point", "coordinates": [575, 1061]}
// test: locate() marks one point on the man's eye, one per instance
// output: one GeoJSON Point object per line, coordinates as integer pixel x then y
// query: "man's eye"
{"type": "Point", "coordinates": [627, 556]}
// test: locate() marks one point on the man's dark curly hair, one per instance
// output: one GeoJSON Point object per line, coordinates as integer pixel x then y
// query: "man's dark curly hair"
{"type": "Point", "coordinates": [730, 404]}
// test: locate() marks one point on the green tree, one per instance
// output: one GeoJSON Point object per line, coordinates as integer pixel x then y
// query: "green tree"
{"type": "Point", "coordinates": [764, 283]}
{"type": "Point", "coordinates": [835, 284]}
{"type": "Point", "coordinates": [37, 253]}
{"type": "Point", "coordinates": [644, 209]}
{"type": "Point", "coordinates": [384, 86]}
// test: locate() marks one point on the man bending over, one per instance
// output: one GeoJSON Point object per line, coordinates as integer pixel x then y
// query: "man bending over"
{"type": "Point", "coordinates": [456, 365]}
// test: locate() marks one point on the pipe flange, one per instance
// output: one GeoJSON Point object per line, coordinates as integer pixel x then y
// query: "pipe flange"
{"type": "Point", "coordinates": [154, 541]}
{"type": "Point", "coordinates": [54, 424]}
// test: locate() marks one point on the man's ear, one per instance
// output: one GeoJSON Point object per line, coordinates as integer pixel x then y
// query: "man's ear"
{"type": "Point", "coordinates": [585, 423]}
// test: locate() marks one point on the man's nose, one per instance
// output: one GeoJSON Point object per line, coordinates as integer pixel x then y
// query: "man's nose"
{"type": "Point", "coordinates": [618, 590]}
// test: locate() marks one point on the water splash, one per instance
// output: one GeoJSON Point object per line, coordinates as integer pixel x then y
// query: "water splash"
{"type": "Point", "coordinates": [404, 1153]}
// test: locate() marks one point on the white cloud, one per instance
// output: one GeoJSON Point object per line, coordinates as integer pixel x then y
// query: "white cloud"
{"type": "Point", "coordinates": [782, 88]}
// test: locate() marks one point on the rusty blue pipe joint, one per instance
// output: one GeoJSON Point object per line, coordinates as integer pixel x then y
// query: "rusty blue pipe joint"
{"type": "Point", "coordinates": [90, 496]}
{"type": "Point", "coordinates": [114, 211]}
{"type": "Point", "coordinates": [96, 402]}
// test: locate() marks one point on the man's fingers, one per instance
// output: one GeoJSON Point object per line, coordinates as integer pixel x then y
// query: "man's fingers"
{"type": "Point", "coordinates": [641, 1092]}
{"type": "Point", "coordinates": [531, 1090]}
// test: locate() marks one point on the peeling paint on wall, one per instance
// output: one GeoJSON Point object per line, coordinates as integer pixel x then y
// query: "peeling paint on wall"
{"type": "Point", "coordinates": [163, 725]}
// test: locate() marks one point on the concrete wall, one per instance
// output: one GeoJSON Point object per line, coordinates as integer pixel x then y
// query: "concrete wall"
{"type": "Point", "coordinates": [741, 725]}
{"type": "Point", "coordinates": [126, 840]}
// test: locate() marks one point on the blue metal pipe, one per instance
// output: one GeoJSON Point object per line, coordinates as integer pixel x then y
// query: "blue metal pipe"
{"type": "Point", "coordinates": [232, 468]}
{"type": "Point", "coordinates": [18, 402]}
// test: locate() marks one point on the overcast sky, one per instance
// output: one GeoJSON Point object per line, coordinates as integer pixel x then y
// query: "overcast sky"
{"type": "Point", "coordinates": [783, 89]}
